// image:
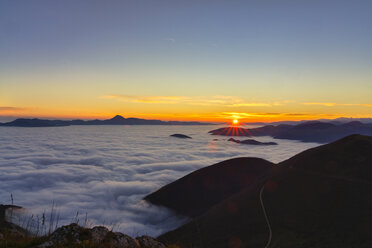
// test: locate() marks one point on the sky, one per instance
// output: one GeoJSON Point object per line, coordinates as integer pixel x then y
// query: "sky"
{"type": "Point", "coordinates": [255, 60]}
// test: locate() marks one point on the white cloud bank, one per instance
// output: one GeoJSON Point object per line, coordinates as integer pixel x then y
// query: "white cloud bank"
{"type": "Point", "coordinates": [105, 171]}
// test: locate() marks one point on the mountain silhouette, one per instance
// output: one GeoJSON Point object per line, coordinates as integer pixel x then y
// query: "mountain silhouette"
{"type": "Point", "coordinates": [313, 131]}
{"type": "Point", "coordinates": [117, 120]}
{"type": "Point", "coordinates": [321, 197]}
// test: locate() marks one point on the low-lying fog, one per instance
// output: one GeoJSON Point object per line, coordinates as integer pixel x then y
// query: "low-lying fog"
{"type": "Point", "coordinates": [105, 171]}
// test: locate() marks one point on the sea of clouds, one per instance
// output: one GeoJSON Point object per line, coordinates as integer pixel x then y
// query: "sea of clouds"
{"type": "Point", "coordinates": [102, 173]}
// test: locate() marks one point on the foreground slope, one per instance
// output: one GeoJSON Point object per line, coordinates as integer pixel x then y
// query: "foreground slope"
{"type": "Point", "coordinates": [198, 191]}
{"type": "Point", "coordinates": [319, 198]}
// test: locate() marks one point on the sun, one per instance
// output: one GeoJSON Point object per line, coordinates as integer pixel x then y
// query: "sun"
{"type": "Point", "coordinates": [235, 121]}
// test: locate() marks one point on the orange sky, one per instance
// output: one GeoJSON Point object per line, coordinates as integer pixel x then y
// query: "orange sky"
{"type": "Point", "coordinates": [216, 109]}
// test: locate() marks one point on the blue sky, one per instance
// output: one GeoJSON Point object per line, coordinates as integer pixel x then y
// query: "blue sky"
{"type": "Point", "coordinates": [258, 51]}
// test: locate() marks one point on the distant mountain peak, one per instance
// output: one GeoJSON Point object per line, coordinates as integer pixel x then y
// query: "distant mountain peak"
{"type": "Point", "coordinates": [118, 118]}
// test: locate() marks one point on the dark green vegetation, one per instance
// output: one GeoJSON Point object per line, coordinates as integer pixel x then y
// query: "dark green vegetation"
{"type": "Point", "coordinates": [313, 131]}
{"type": "Point", "coordinates": [117, 120]}
{"type": "Point", "coordinates": [319, 198]}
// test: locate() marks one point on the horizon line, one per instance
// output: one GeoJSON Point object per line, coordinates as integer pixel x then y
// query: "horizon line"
{"type": "Point", "coordinates": [169, 120]}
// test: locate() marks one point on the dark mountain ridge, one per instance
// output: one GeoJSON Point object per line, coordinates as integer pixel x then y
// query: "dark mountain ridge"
{"type": "Point", "coordinates": [313, 131]}
{"type": "Point", "coordinates": [117, 120]}
{"type": "Point", "coordinates": [319, 198]}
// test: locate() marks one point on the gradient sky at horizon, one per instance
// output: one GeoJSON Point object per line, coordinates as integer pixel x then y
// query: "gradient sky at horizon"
{"type": "Point", "coordinates": [186, 60]}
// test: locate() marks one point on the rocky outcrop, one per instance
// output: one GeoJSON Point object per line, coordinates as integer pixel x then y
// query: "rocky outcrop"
{"type": "Point", "coordinates": [123, 240]}
{"type": "Point", "coordinates": [69, 234]}
{"type": "Point", "coordinates": [148, 242]}
{"type": "Point", "coordinates": [99, 236]}
{"type": "Point", "coordinates": [73, 235]}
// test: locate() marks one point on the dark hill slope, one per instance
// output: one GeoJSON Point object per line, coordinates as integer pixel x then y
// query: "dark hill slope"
{"type": "Point", "coordinates": [309, 210]}
{"type": "Point", "coordinates": [235, 222]}
{"type": "Point", "coordinates": [307, 205]}
{"type": "Point", "coordinates": [350, 157]}
{"type": "Point", "coordinates": [198, 191]}
{"type": "Point", "coordinates": [304, 211]}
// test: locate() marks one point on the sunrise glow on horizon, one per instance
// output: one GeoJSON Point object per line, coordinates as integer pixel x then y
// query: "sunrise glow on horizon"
{"type": "Point", "coordinates": [215, 61]}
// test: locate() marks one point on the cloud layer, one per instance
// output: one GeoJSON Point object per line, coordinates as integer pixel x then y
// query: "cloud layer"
{"type": "Point", "coordinates": [228, 101]}
{"type": "Point", "coordinates": [333, 104]}
{"type": "Point", "coordinates": [11, 109]}
{"type": "Point", "coordinates": [105, 171]}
